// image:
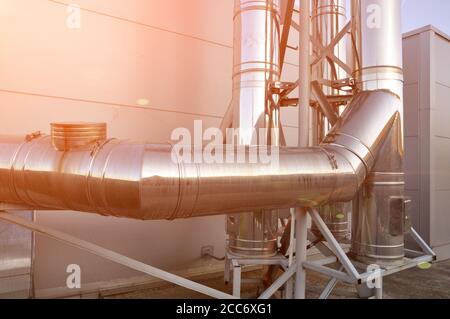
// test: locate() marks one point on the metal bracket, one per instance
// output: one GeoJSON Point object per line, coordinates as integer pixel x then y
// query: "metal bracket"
{"type": "Point", "coordinates": [347, 273]}
{"type": "Point", "coordinates": [351, 274]}
{"type": "Point", "coordinates": [234, 263]}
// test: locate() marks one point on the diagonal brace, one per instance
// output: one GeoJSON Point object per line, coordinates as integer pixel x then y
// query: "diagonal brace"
{"type": "Point", "coordinates": [115, 257]}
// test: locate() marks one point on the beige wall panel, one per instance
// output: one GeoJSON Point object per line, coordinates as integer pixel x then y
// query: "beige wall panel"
{"type": "Point", "coordinates": [442, 54]}
{"type": "Point", "coordinates": [109, 60]}
{"type": "Point", "coordinates": [441, 125]}
{"type": "Point", "coordinates": [170, 245]}
{"type": "Point", "coordinates": [440, 219]}
{"type": "Point", "coordinates": [440, 163]}
{"type": "Point", "coordinates": [180, 16]}
{"type": "Point", "coordinates": [411, 98]}
{"type": "Point", "coordinates": [411, 58]}
{"type": "Point", "coordinates": [412, 163]}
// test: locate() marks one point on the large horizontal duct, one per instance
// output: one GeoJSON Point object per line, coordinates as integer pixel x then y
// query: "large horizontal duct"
{"type": "Point", "coordinates": [141, 181]}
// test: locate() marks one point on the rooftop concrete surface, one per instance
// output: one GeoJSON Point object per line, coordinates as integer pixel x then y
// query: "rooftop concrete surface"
{"type": "Point", "coordinates": [415, 283]}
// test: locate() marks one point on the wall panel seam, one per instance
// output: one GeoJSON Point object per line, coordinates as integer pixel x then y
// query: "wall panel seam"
{"type": "Point", "coordinates": [111, 104]}
{"type": "Point", "coordinates": [147, 25]}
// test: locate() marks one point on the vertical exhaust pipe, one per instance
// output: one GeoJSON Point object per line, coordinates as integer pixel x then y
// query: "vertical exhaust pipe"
{"type": "Point", "coordinates": [256, 66]}
{"type": "Point", "coordinates": [328, 19]}
{"type": "Point", "coordinates": [379, 212]}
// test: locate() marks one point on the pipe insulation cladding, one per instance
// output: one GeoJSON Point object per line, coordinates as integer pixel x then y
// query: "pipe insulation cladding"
{"type": "Point", "coordinates": [142, 181]}
{"type": "Point", "coordinates": [256, 67]}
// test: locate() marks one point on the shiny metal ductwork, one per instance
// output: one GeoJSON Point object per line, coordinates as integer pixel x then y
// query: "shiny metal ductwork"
{"type": "Point", "coordinates": [256, 67]}
{"type": "Point", "coordinates": [379, 212]}
{"type": "Point", "coordinates": [328, 19]}
{"type": "Point", "coordinates": [142, 181]}
{"type": "Point", "coordinates": [79, 168]}
{"type": "Point", "coordinates": [351, 149]}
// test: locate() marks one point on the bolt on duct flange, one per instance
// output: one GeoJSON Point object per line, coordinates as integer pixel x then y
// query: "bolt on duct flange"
{"type": "Point", "coordinates": [77, 136]}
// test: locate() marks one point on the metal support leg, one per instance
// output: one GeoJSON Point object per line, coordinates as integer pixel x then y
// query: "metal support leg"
{"type": "Point", "coordinates": [289, 289]}
{"type": "Point", "coordinates": [329, 287]}
{"type": "Point", "coordinates": [364, 292]}
{"type": "Point", "coordinates": [227, 270]}
{"type": "Point", "coordinates": [334, 245]}
{"type": "Point", "coordinates": [301, 226]}
{"type": "Point", "coordinates": [378, 291]}
{"type": "Point", "coordinates": [279, 283]}
{"type": "Point", "coordinates": [423, 245]}
{"type": "Point", "coordinates": [237, 278]}
{"type": "Point", "coordinates": [301, 234]}
{"type": "Point", "coordinates": [324, 250]}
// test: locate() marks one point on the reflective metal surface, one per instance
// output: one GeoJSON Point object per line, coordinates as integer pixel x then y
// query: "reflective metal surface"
{"type": "Point", "coordinates": [142, 181]}
{"type": "Point", "coordinates": [379, 228]}
{"type": "Point", "coordinates": [379, 215]}
{"type": "Point", "coordinates": [256, 66]}
{"type": "Point", "coordinates": [305, 113]}
{"type": "Point", "coordinates": [76, 136]}
{"type": "Point", "coordinates": [380, 221]}
{"type": "Point", "coordinates": [328, 19]}
{"type": "Point", "coordinates": [253, 234]}
{"type": "Point", "coordinates": [82, 170]}
{"type": "Point", "coordinates": [361, 137]}
{"type": "Point", "coordinates": [336, 217]}
{"type": "Point", "coordinates": [380, 46]}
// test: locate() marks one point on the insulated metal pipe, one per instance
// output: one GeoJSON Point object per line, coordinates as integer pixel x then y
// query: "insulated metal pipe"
{"type": "Point", "coordinates": [304, 140]}
{"type": "Point", "coordinates": [379, 211]}
{"type": "Point", "coordinates": [256, 66]}
{"type": "Point", "coordinates": [380, 46]}
{"type": "Point", "coordinates": [304, 133]}
{"type": "Point", "coordinates": [146, 181]}
{"type": "Point", "coordinates": [328, 19]}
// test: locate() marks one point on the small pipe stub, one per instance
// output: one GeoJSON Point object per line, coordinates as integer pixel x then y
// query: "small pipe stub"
{"type": "Point", "coordinates": [77, 136]}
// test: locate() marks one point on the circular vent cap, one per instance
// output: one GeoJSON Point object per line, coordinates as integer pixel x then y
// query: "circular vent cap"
{"type": "Point", "coordinates": [77, 136]}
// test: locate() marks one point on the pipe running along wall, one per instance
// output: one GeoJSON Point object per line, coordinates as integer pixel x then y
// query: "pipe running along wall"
{"type": "Point", "coordinates": [142, 181]}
